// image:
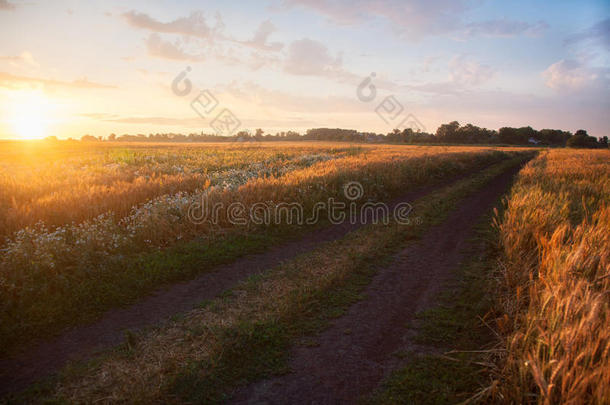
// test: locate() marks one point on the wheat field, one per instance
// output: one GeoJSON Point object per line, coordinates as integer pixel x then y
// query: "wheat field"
{"type": "Point", "coordinates": [555, 281]}
{"type": "Point", "coordinates": [90, 227]}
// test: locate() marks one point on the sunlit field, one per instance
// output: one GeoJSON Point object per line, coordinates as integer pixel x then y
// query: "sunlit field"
{"type": "Point", "coordinates": [74, 213]}
{"type": "Point", "coordinates": [555, 280]}
{"type": "Point", "coordinates": [89, 227]}
{"type": "Point", "coordinates": [59, 183]}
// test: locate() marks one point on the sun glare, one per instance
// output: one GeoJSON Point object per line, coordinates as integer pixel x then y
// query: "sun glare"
{"type": "Point", "coordinates": [29, 115]}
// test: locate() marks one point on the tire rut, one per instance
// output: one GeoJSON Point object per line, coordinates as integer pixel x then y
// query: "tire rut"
{"type": "Point", "coordinates": [355, 353]}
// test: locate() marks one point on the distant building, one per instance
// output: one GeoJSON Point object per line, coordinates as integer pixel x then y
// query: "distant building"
{"type": "Point", "coordinates": [534, 141]}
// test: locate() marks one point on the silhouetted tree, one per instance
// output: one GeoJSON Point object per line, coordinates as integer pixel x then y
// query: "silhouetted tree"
{"type": "Point", "coordinates": [582, 140]}
{"type": "Point", "coordinates": [554, 136]}
{"type": "Point", "coordinates": [448, 132]}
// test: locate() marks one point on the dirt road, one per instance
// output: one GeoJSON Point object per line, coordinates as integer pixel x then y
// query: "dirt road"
{"type": "Point", "coordinates": [356, 351]}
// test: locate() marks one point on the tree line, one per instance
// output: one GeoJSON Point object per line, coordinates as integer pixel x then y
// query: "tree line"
{"type": "Point", "coordinates": [450, 133]}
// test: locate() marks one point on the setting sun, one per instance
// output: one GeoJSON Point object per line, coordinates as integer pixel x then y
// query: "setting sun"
{"type": "Point", "coordinates": [30, 114]}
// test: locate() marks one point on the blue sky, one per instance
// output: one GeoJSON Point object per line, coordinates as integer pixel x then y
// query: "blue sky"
{"type": "Point", "coordinates": [70, 67]}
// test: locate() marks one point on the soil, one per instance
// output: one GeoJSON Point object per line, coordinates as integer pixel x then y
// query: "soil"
{"type": "Point", "coordinates": [357, 351]}
{"type": "Point", "coordinates": [81, 342]}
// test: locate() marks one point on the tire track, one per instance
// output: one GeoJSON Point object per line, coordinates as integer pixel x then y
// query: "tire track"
{"type": "Point", "coordinates": [356, 352]}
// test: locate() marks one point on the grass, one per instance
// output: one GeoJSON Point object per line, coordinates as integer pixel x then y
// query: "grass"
{"type": "Point", "coordinates": [245, 336]}
{"type": "Point", "coordinates": [124, 281]}
{"type": "Point", "coordinates": [429, 380]}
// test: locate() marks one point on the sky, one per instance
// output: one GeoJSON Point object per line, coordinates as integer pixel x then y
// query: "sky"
{"type": "Point", "coordinates": [69, 68]}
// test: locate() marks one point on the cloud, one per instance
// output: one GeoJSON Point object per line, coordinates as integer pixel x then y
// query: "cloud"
{"type": "Point", "coordinates": [200, 34]}
{"type": "Point", "coordinates": [504, 28]}
{"type": "Point", "coordinates": [155, 120]}
{"type": "Point", "coordinates": [417, 18]}
{"type": "Point", "coordinates": [287, 122]}
{"type": "Point", "coordinates": [166, 50]}
{"type": "Point", "coordinates": [86, 84]}
{"type": "Point", "coordinates": [11, 81]}
{"type": "Point", "coordinates": [571, 75]}
{"type": "Point", "coordinates": [598, 34]}
{"type": "Point", "coordinates": [464, 73]}
{"type": "Point", "coordinates": [98, 116]}
{"type": "Point", "coordinates": [412, 19]}
{"type": "Point", "coordinates": [258, 60]}
{"type": "Point", "coordinates": [24, 58]}
{"type": "Point", "coordinates": [269, 98]}
{"type": "Point", "coordinates": [196, 122]}
{"type": "Point", "coordinates": [444, 88]}
{"type": "Point", "coordinates": [5, 5]}
{"type": "Point", "coordinates": [261, 36]}
{"type": "Point", "coordinates": [467, 72]}
{"type": "Point", "coordinates": [194, 25]}
{"type": "Point", "coordinates": [307, 57]}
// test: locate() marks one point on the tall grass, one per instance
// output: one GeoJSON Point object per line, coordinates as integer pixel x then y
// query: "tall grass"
{"type": "Point", "coordinates": [58, 183]}
{"type": "Point", "coordinates": [555, 234]}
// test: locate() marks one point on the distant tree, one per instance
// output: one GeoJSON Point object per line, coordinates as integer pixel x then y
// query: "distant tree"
{"type": "Point", "coordinates": [242, 136]}
{"type": "Point", "coordinates": [554, 136]}
{"type": "Point", "coordinates": [581, 133]}
{"type": "Point", "coordinates": [507, 135]}
{"type": "Point", "coordinates": [604, 142]}
{"type": "Point", "coordinates": [517, 136]}
{"type": "Point", "coordinates": [51, 138]}
{"type": "Point", "coordinates": [407, 135]}
{"type": "Point", "coordinates": [524, 134]}
{"type": "Point", "coordinates": [89, 138]}
{"type": "Point", "coordinates": [292, 136]}
{"type": "Point", "coordinates": [472, 134]}
{"type": "Point", "coordinates": [395, 136]}
{"type": "Point", "coordinates": [581, 139]}
{"type": "Point", "coordinates": [451, 133]}
{"type": "Point", "coordinates": [333, 134]}
{"type": "Point", "coordinates": [448, 132]}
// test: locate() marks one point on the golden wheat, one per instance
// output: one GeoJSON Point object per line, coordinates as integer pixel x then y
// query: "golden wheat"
{"type": "Point", "coordinates": [556, 279]}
